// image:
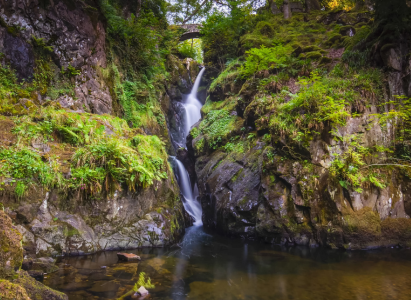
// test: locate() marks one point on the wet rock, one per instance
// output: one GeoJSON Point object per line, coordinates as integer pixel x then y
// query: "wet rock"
{"type": "Point", "coordinates": [128, 257]}
{"type": "Point", "coordinates": [20, 55]}
{"type": "Point", "coordinates": [44, 264]}
{"type": "Point", "coordinates": [38, 275]}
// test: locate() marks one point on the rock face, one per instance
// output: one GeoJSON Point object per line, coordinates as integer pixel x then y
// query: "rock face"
{"type": "Point", "coordinates": [283, 201]}
{"type": "Point", "coordinates": [51, 224]}
{"type": "Point", "coordinates": [260, 192]}
{"type": "Point", "coordinates": [77, 37]}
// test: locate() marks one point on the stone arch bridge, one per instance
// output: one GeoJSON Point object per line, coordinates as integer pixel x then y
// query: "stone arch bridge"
{"type": "Point", "coordinates": [192, 31]}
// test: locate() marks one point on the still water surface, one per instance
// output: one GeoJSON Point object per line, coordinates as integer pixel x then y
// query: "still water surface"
{"type": "Point", "coordinates": [213, 267]}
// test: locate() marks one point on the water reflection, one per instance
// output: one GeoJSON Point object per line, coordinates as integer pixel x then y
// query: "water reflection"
{"type": "Point", "coordinates": [206, 266]}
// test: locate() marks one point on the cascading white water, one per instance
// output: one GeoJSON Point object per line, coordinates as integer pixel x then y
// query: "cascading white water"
{"type": "Point", "coordinates": [192, 105]}
{"type": "Point", "coordinates": [191, 205]}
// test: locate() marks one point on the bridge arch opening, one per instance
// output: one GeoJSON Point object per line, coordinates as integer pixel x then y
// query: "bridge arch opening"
{"type": "Point", "coordinates": [191, 48]}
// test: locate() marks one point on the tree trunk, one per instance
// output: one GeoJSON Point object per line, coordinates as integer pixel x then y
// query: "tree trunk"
{"type": "Point", "coordinates": [287, 10]}
{"type": "Point", "coordinates": [138, 11]}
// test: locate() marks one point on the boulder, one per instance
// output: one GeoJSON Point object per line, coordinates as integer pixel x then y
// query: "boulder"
{"type": "Point", "coordinates": [128, 257]}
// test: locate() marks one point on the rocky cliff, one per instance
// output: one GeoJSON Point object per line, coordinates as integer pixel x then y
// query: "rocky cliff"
{"type": "Point", "coordinates": [300, 159]}
{"type": "Point", "coordinates": [68, 69]}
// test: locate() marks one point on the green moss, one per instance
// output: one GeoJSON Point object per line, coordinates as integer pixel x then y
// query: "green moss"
{"type": "Point", "coordinates": [199, 146]}
{"type": "Point", "coordinates": [334, 40]}
{"type": "Point", "coordinates": [311, 48]}
{"type": "Point", "coordinates": [325, 60]}
{"type": "Point", "coordinates": [228, 104]}
{"type": "Point", "coordinates": [217, 125]}
{"type": "Point", "coordinates": [250, 41]}
{"type": "Point", "coordinates": [314, 55]}
{"type": "Point", "coordinates": [11, 291]}
{"type": "Point", "coordinates": [228, 76]}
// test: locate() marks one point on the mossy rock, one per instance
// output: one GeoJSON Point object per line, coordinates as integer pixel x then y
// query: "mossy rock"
{"type": "Point", "coordinates": [11, 250]}
{"type": "Point", "coordinates": [334, 40]}
{"type": "Point", "coordinates": [347, 31]}
{"type": "Point", "coordinates": [265, 28]}
{"type": "Point", "coordinates": [387, 47]}
{"type": "Point", "coordinates": [361, 24]}
{"type": "Point", "coordinates": [249, 41]}
{"type": "Point", "coordinates": [325, 60]}
{"type": "Point", "coordinates": [36, 290]}
{"type": "Point", "coordinates": [11, 291]}
{"type": "Point", "coordinates": [314, 55]}
{"type": "Point", "coordinates": [311, 48]}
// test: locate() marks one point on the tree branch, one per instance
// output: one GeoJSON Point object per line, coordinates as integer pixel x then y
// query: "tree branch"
{"type": "Point", "coordinates": [195, 12]}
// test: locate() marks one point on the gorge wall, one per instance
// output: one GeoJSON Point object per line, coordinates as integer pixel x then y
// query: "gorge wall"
{"type": "Point", "coordinates": [296, 162]}
{"type": "Point", "coordinates": [61, 68]}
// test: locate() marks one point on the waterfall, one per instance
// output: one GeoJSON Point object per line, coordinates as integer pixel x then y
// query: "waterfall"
{"type": "Point", "coordinates": [191, 205]}
{"type": "Point", "coordinates": [192, 107]}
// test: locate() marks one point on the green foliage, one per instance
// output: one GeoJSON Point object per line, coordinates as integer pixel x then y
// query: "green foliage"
{"type": "Point", "coordinates": [217, 125]}
{"type": "Point", "coordinates": [360, 35]}
{"type": "Point", "coordinates": [25, 167]}
{"type": "Point", "coordinates": [140, 43]}
{"type": "Point", "coordinates": [321, 100]}
{"type": "Point", "coordinates": [114, 162]}
{"type": "Point", "coordinates": [221, 35]}
{"type": "Point", "coordinates": [192, 49]}
{"type": "Point", "coordinates": [265, 59]}
{"type": "Point", "coordinates": [70, 71]}
{"type": "Point", "coordinates": [41, 44]}
{"type": "Point", "coordinates": [143, 281]}
{"type": "Point", "coordinates": [75, 129]}
{"type": "Point", "coordinates": [106, 160]}
{"type": "Point", "coordinates": [350, 169]}
{"type": "Point", "coordinates": [355, 59]}
{"type": "Point", "coordinates": [230, 74]}
{"type": "Point", "coordinates": [397, 115]}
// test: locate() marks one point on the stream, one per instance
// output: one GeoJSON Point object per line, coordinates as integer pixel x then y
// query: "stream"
{"type": "Point", "coordinates": [208, 266]}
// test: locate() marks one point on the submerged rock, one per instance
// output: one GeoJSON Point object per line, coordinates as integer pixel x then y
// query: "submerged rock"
{"type": "Point", "coordinates": [128, 257]}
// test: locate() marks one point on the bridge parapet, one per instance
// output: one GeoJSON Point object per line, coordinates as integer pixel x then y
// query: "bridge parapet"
{"type": "Point", "coordinates": [192, 31]}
